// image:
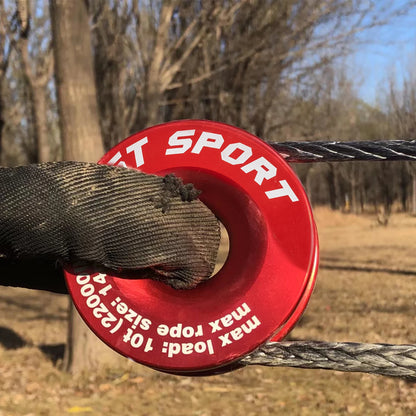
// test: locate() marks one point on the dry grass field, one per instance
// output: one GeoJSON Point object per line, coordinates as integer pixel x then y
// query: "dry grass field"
{"type": "Point", "coordinates": [373, 303]}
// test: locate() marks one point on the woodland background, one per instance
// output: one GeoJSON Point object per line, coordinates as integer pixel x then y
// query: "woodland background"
{"type": "Point", "coordinates": [274, 68]}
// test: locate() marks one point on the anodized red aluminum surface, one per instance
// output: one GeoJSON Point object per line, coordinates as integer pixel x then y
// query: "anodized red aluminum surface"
{"type": "Point", "coordinates": [268, 277]}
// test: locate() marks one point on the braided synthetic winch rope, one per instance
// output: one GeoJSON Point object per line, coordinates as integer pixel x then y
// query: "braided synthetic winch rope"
{"type": "Point", "coordinates": [335, 151]}
{"type": "Point", "coordinates": [383, 359]}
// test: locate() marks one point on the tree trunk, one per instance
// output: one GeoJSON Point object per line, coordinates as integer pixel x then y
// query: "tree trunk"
{"type": "Point", "coordinates": [354, 197]}
{"type": "Point", "coordinates": [332, 189]}
{"type": "Point", "coordinates": [78, 111]}
{"type": "Point", "coordinates": [37, 80]}
{"type": "Point", "coordinates": [355, 182]}
{"type": "Point", "coordinates": [2, 122]}
{"type": "Point", "coordinates": [154, 88]}
{"type": "Point", "coordinates": [405, 186]}
{"type": "Point", "coordinates": [81, 140]}
{"type": "Point", "coordinates": [41, 129]}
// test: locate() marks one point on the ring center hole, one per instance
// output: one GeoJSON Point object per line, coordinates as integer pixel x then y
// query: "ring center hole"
{"type": "Point", "coordinates": [223, 250]}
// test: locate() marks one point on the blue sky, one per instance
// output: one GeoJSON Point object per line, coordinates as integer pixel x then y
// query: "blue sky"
{"type": "Point", "coordinates": [386, 51]}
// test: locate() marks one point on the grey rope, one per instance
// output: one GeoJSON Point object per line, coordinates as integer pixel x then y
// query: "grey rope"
{"type": "Point", "coordinates": [382, 359]}
{"type": "Point", "coordinates": [335, 151]}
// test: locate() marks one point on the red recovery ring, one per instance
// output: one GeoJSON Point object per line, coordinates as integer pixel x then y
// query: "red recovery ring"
{"type": "Point", "coordinates": [268, 277]}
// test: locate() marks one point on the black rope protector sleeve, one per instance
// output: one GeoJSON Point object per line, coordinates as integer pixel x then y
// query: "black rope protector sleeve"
{"type": "Point", "coordinates": [335, 151]}
{"type": "Point", "coordinates": [118, 218]}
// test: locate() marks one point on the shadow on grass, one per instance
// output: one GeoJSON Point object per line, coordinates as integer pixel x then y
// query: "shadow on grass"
{"type": "Point", "coordinates": [54, 352]}
{"type": "Point", "coordinates": [11, 340]}
{"type": "Point", "coordinates": [366, 269]}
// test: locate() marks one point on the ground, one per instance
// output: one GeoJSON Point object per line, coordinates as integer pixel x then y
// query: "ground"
{"type": "Point", "coordinates": [373, 303]}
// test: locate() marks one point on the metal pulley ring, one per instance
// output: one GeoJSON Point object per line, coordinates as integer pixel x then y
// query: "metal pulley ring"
{"type": "Point", "coordinates": [265, 284]}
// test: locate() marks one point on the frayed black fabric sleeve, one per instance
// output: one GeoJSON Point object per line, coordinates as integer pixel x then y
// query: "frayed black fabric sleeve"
{"type": "Point", "coordinates": [117, 218]}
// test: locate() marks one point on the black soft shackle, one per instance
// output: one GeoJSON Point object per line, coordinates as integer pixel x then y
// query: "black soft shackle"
{"type": "Point", "coordinates": [117, 218]}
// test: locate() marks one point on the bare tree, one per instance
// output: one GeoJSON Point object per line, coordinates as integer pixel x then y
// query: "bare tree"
{"type": "Point", "coordinates": [37, 68]}
{"type": "Point", "coordinates": [234, 61]}
{"type": "Point", "coordinates": [14, 122]}
{"type": "Point", "coordinates": [258, 52]}
{"type": "Point", "coordinates": [81, 139]}
{"type": "Point", "coordinates": [5, 52]}
{"type": "Point", "coordinates": [139, 52]}
{"type": "Point", "coordinates": [401, 108]}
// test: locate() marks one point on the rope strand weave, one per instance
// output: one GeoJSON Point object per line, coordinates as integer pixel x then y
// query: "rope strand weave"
{"type": "Point", "coordinates": [383, 359]}
{"type": "Point", "coordinates": [336, 151]}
